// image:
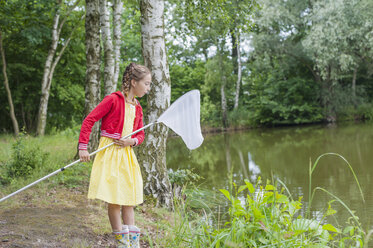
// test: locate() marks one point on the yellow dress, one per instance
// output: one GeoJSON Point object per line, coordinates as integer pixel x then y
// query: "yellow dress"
{"type": "Point", "coordinates": [116, 176]}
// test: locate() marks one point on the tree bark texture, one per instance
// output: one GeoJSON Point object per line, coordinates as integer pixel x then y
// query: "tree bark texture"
{"type": "Point", "coordinates": [109, 84]}
{"type": "Point", "coordinates": [153, 151]}
{"type": "Point", "coordinates": [93, 49]}
{"type": "Point", "coordinates": [239, 72]}
{"type": "Point", "coordinates": [45, 83]}
{"type": "Point", "coordinates": [9, 93]}
{"type": "Point", "coordinates": [117, 29]}
{"type": "Point", "coordinates": [50, 65]}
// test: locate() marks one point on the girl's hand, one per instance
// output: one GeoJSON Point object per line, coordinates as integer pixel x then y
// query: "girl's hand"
{"type": "Point", "coordinates": [125, 142]}
{"type": "Point", "coordinates": [84, 156]}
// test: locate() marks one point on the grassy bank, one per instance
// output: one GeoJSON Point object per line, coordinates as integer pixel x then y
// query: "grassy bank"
{"type": "Point", "coordinates": [57, 213]}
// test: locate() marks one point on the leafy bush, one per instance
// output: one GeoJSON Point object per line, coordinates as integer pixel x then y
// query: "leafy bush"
{"type": "Point", "coordinates": [266, 217]}
{"type": "Point", "coordinates": [181, 177]}
{"type": "Point", "coordinates": [24, 160]}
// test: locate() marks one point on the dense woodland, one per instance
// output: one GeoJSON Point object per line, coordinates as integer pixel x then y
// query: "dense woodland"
{"type": "Point", "coordinates": [256, 63]}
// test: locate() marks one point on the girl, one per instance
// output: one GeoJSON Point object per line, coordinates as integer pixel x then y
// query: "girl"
{"type": "Point", "coordinates": [116, 176]}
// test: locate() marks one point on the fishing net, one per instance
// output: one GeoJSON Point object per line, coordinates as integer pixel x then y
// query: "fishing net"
{"type": "Point", "coordinates": [183, 117]}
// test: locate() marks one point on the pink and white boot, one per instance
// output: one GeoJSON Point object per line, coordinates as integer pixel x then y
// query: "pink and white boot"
{"type": "Point", "coordinates": [134, 236]}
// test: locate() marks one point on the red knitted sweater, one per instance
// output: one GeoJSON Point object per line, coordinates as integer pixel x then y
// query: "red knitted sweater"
{"type": "Point", "coordinates": [111, 111]}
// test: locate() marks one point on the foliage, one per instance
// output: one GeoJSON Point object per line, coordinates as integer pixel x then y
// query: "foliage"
{"type": "Point", "coordinates": [262, 216]}
{"type": "Point", "coordinates": [299, 59]}
{"type": "Point", "coordinates": [183, 176]}
{"type": "Point", "coordinates": [282, 94]}
{"type": "Point", "coordinates": [35, 152]}
{"type": "Point", "coordinates": [24, 160]}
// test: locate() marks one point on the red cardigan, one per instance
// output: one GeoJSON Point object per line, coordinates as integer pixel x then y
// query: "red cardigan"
{"type": "Point", "coordinates": [111, 111]}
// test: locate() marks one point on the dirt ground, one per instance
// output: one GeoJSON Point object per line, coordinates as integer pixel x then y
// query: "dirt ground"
{"type": "Point", "coordinates": [57, 219]}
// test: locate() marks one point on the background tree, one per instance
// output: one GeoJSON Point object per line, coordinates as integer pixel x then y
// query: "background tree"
{"type": "Point", "coordinates": [93, 82]}
{"type": "Point", "coordinates": [9, 93]}
{"type": "Point", "coordinates": [109, 63]}
{"type": "Point", "coordinates": [51, 63]}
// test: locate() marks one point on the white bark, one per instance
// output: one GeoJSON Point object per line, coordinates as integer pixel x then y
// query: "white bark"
{"type": "Point", "coordinates": [50, 65]}
{"type": "Point", "coordinates": [154, 53]}
{"type": "Point", "coordinates": [9, 94]}
{"type": "Point", "coordinates": [223, 78]}
{"type": "Point", "coordinates": [45, 84]}
{"type": "Point", "coordinates": [92, 85]}
{"type": "Point", "coordinates": [117, 30]}
{"type": "Point", "coordinates": [239, 74]}
{"type": "Point", "coordinates": [109, 84]}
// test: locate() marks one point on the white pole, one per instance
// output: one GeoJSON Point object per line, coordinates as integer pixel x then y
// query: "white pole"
{"type": "Point", "coordinates": [67, 166]}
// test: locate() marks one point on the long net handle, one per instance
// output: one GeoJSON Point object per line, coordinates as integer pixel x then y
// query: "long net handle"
{"type": "Point", "coordinates": [71, 164]}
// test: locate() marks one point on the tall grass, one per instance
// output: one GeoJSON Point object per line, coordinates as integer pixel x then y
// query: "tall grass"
{"type": "Point", "coordinates": [266, 215]}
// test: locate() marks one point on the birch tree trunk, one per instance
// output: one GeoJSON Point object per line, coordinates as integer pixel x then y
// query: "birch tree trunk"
{"type": "Point", "coordinates": [50, 65]}
{"type": "Point", "coordinates": [109, 84]}
{"type": "Point", "coordinates": [9, 94]}
{"type": "Point", "coordinates": [153, 151]}
{"type": "Point", "coordinates": [239, 72]}
{"type": "Point", "coordinates": [93, 49]}
{"type": "Point", "coordinates": [117, 29]}
{"type": "Point", "coordinates": [45, 84]}
{"type": "Point", "coordinates": [222, 87]}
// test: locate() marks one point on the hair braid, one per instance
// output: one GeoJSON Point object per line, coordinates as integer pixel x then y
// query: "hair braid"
{"type": "Point", "coordinates": [133, 71]}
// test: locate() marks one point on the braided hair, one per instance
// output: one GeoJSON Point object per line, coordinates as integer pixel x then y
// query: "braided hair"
{"type": "Point", "coordinates": [133, 71]}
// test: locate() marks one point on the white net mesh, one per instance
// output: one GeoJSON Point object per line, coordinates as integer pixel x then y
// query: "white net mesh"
{"type": "Point", "coordinates": [183, 117]}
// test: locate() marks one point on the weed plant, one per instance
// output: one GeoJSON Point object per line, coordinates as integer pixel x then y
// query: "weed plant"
{"type": "Point", "coordinates": [265, 215]}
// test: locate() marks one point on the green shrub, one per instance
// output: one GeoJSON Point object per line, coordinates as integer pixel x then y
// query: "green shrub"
{"type": "Point", "coordinates": [182, 176]}
{"type": "Point", "coordinates": [263, 216]}
{"type": "Point", "coordinates": [24, 160]}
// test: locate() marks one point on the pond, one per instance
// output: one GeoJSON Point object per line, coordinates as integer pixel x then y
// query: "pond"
{"type": "Point", "coordinates": [285, 153]}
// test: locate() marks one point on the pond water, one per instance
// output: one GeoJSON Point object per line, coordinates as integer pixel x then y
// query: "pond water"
{"type": "Point", "coordinates": [285, 153]}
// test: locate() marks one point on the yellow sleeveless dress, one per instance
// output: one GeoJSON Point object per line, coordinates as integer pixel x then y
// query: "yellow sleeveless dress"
{"type": "Point", "coordinates": [116, 176]}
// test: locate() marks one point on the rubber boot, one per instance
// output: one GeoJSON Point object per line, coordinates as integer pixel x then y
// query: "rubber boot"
{"type": "Point", "coordinates": [134, 235]}
{"type": "Point", "coordinates": [122, 238]}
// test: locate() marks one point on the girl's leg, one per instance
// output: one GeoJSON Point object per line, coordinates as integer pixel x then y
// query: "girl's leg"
{"type": "Point", "coordinates": [128, 215]}
{"type": "Point", "coordinates": [114, 217]}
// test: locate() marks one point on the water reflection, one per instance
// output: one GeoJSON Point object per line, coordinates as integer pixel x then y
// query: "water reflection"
{"type": "Point", "coordinates": [285, 153]}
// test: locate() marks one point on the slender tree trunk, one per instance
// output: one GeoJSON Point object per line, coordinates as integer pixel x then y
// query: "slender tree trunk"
{"type": "Point", "coordinates": [117, 30]}
{"type": "Point", "coordinates": [6, 84]}
{"type": "Point", "coordinates": [154, 53]}
{"type": "Point", "coordinates": [234, 51]}
{"type": "Point", "coordinates": [50, 65]}
{"type": "Point", "coordinates": [109, 84]}
{"type": "Point", "coordinates": [239, 72]}
{"type": "Point", "coordinates": [224, 107]}
{"type": "Point", "coordinates": [354, 83]}
{"type": "Point", "coordinates": [93, 49]}
{"type": "Point", "coordinates": [45, 83]}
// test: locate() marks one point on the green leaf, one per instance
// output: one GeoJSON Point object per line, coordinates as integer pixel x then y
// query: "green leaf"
{"type": "Point", "coordinates": [257, 213]}
{"type": "Point", "coordinates": [330, 211]}
{"type": "Point", "coordinates": [349, 229]}
{"type": "Point", "coordinates": [331, 228]}
{"type": "Point", "coordinates": [250, 187]}
{"type": "Point", "coordinates": [269, 187]}
{"type": "Point", "coordinates": [242, 188]}
{"type": "Point", "coordinates": [226, 193]}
